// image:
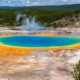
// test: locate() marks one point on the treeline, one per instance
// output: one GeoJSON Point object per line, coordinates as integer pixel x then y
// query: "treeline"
{"type": "Point", "coordinates": [44, 17]}
{"type": "Point", "coordinates": [7, 18]}
{"type": "Point", "coordinates": [49, 17]}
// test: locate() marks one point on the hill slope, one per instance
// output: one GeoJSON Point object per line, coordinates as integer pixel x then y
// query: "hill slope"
{"type": "Point", "coordinates": [60, 7]}
{"type": "Point", "coordinates": [49, 7]}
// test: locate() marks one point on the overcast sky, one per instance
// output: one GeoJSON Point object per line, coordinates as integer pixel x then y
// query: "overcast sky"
{"type": "Point", "coordinates": [36, 2]}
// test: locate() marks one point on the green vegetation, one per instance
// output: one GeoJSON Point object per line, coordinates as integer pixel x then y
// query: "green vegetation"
{"type": "Point", "coordinates": [76, 72]}
{"type": "Point", "coordinates": [45, 15]}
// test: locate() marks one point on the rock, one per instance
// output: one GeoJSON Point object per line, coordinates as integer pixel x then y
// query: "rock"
{"type": "Point", "coordinates": [4, 79]}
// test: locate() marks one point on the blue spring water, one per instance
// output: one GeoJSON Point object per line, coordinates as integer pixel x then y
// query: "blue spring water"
{"type": "Point", "coordinates": [39, 41]}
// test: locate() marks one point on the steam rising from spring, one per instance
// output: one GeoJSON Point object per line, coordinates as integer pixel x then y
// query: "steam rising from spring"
{"type": "Point", "coordinates": [28, 23]}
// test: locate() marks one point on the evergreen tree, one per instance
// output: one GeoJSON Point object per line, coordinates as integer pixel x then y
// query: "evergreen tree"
{"type": "Point", "coordinates": [76, 72]}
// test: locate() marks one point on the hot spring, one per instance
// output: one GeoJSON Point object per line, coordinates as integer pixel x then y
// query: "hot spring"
{"type": "Point", "coordinates": [28, 23]}
{"type": "Point", "coordinates": [39, 41]}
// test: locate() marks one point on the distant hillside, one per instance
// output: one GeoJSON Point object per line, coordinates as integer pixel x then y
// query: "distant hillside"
{"type": "Point", "coordinates": [73, 20]}
{"type": "Point", "coordinates": [55, 16]}
{"type": "Point", "coordinates": [52, 7]}
{"type": "Point", "coordinates": [60, 7]}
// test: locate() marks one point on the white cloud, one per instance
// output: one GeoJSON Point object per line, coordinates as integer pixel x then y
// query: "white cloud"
{"type": "Point", "coordinates": [64, 0]}
{"type": "Point", "coordinates": [36, 2]}
{"type": "Point", "coordinates": [28, 1]}
{"type": "Point", "coordinates": [9, 1]}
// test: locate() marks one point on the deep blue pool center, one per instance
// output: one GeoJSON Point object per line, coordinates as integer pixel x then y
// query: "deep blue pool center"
{"type": "Point", "coordinates": [39, 41]}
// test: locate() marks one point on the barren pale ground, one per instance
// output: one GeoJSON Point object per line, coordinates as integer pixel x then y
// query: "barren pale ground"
{"type": "Point", "coordinates": [41, 65]}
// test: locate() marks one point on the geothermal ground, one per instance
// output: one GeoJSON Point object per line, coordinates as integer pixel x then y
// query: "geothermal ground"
{"type": "Point", "coordinates": [40, 65]}
{"type": "Point", "coordinates": [37, 64]}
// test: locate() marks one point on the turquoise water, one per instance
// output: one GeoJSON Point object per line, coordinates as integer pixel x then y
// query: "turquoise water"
{"type": "Point", "coordinates": [39, 41]}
